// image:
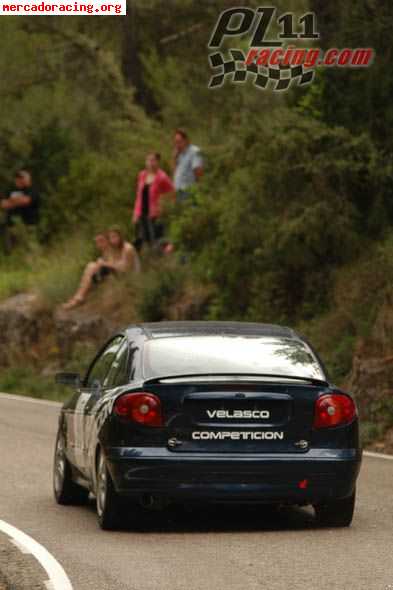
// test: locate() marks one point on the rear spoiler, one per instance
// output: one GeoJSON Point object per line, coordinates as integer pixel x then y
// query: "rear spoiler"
{"type": "Point", "coordinates": [238, 376]}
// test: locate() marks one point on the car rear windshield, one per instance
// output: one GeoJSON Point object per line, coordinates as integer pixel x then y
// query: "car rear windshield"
{"type": "Point", "coordinates": [201, 355]}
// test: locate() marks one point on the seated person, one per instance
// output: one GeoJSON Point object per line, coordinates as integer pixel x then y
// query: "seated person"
{"type": "Point", "coordinates": [93, 273]}
{"type": "Point", "coordinates": [124, 256]}
{"type": "Point", "coordinates": [117, 256]}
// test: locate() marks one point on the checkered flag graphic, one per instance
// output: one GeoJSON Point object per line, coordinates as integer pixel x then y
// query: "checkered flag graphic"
{"type": "Point", "coordinates": [235, 67]}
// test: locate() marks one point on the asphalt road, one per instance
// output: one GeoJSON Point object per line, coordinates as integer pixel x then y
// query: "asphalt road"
{"type": "Point", "coordinates": [218, 549]}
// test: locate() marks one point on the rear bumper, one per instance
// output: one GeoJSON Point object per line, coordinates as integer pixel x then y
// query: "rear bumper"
{"type": "Point", "coordinates": [330, 474]}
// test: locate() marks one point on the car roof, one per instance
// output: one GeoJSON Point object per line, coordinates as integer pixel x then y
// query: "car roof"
{"type": "Point", "coordinates": [195, 328]}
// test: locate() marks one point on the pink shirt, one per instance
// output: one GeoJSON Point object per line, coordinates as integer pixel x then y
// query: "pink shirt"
{"type": "Point", "coordinates": [160, 186]}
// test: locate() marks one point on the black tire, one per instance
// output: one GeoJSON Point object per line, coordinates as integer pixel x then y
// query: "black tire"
{"type": "Point", "coordinates": [337, 513]}
{"type": "Point", "coordinates": [109, 503]}
{"type": "Point", "coordinates": [66, 491]}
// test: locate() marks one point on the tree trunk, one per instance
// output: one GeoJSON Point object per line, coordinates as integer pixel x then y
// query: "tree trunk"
{"type": "Point", "coordinates": [131, 63]}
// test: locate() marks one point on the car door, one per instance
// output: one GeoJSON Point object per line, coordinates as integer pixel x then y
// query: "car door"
{"type": "Point", "coordinates": [118, 378]}
{"type": "Point", "coordinates": [90, 393]}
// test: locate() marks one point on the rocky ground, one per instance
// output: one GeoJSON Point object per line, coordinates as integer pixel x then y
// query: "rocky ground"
{"type": "Point", "coordinates": [29, 331]}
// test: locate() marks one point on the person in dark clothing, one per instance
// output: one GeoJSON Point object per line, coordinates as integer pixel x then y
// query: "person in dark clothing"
{"type": "Point", "coordinates": [21, 204]}
{"type": "Point", "coordinates": [22, 201]}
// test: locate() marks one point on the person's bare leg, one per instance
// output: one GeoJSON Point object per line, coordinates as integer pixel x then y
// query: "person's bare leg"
{"type": "Point", "coordinates": [87, 280]}
{"type": "Point", "coordinates": [84, 287]}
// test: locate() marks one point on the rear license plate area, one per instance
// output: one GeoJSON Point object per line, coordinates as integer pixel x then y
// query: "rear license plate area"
{"type": "Point", "coordinates": [238, 412]}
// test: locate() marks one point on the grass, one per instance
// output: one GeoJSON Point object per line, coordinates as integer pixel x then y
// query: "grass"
{"type": "Point", "coordinates": [57, 275]}
{"type": "Point", "coordinates": [12, 282]}
{"type": "Point", "coordinates": [26, 381]}
{"type": "Point", "coordinates": [52, 272]}
{"type": "Point", "coordinates": [38, 379]}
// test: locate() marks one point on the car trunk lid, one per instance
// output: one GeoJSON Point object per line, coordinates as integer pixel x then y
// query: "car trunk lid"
{"type": "Point", "coordinates": [240, 417]}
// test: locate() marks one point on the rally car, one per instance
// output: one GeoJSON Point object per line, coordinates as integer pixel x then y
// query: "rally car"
{"type": "Point", "coordinates": [207, 412]}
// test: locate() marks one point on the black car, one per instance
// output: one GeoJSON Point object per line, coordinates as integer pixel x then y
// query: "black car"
{"type": "Point", "coordinates": [207, 411]}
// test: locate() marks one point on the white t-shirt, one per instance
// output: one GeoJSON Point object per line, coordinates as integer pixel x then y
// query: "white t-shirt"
{"type": "Point", "coordinates": [187, 162]}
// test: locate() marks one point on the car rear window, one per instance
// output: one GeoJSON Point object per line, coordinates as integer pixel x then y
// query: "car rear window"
{"type": "Point", "coordinates": [223, 354]}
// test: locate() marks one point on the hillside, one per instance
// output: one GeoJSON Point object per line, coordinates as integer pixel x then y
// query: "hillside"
{"type": "Point", "coordinates": [37, 341]}
{"type": "Point", "coordinates": [291, 223]}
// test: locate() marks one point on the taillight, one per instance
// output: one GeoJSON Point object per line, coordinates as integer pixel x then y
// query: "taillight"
{"type": "Point", "coordinates": [143, 408]}
{"type": "Point", "coordinates": [334, 409]}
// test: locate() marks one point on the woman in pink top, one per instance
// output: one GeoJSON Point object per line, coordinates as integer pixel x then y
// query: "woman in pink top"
{"type": "Point", "coordinates": [153, 184]}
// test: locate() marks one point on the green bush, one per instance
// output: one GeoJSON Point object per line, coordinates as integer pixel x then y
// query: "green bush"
{"type": "Point", "coordinates": [369, 433]}
{"type": "Point", "coordinates": [157, 290]}
{"type": "Point", "coordinates": [27, 381]}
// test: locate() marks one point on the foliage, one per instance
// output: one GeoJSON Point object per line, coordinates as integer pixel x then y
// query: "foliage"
{"type": "Point", "coordinates": [39, 382]}
{"type": "Point", "coordinates": [25, 381]}
{"type": "Point", "coordinates": [292, 222]}
{"type": "Point", "coordinates": [370, 432]}
{"type": "Point", "coordinates": [358, 99]}
{"type": "Point", "coordinates": [272, 236]}
{"type": "Point", "coordinates": [158, 288]}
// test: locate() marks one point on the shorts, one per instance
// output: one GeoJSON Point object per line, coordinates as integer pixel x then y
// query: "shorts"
{"type": "Point", "coordinates": [104, 271]}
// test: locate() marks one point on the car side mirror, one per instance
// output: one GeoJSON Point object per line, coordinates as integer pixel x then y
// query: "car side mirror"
{"type": "Point", "coordinates": [70, 379]}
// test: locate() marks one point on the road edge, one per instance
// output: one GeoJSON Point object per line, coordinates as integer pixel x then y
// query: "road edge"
{"type": "Point", "coordinates": [57, 578]}
{"type": "Point", "coordinates": [32, 400]}
{"type": "Point", "coordinates": [378, 455]}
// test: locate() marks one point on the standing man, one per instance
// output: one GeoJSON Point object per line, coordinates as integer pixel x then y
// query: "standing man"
{"type": "Point", "coordinates": [188, 164]}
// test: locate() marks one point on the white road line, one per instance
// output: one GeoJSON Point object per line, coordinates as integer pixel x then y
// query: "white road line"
{"type": "Point", "coordinates": [31, 400]}
{"type": "Point", "coordinates": [378, 455]}
{"type": "Point", "coordinates": [58, 579]}
{"type": "Point", "coordinates": [19, 546]}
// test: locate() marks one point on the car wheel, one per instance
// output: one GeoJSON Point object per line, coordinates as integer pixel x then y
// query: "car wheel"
{"type": "Point", "coordinates": [66, 491]}
{"type": "Point", "coordinates": [337, 513]}
{"type": "Point", "coordinates": [108, 501]}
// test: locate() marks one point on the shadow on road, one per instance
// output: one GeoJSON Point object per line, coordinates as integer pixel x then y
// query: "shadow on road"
{"type": "Point", "coordinates": [215, 518]}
